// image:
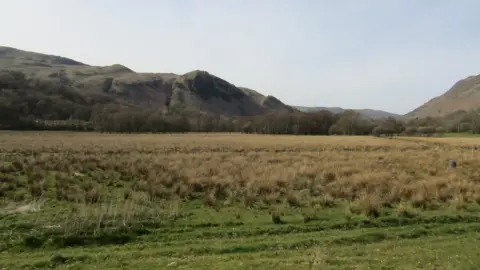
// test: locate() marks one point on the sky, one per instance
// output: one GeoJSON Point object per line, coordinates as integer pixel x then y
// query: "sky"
{"type": "Point", "coordinates": [391, 55]}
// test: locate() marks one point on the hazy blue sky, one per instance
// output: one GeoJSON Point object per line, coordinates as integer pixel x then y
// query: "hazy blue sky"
{"type": "Point", "coordinates": [382, 54]}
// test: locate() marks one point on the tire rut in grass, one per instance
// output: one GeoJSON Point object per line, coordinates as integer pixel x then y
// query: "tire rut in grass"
{"type": "Point", "coordinates": [364, 238]}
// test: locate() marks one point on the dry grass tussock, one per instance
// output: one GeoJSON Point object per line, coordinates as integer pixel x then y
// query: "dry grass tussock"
{"type": "Point", "coordinates": [364, 174]}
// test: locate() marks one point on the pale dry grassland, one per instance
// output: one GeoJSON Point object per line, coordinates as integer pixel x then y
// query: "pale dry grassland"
{"type": "Point", "coordinates": [253, 168]}
{"type": "Point", "coordinates": [448, 141]}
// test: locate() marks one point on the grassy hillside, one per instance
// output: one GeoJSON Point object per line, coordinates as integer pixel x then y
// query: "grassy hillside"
{"type": "Point", "coordinates": [375, 114]}
{"type": "Point", "coordinates": [193, 91]}
{"type": "Point", "coordinates": [463, 95]}
{"type": "Point", "coordinates": [18, 58]}
{"type": "Point", "coordinates": [109, 201]}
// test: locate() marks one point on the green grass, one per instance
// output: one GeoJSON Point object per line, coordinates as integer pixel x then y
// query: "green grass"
{"type": "Point", "coordinates": [203, 238]}
{"type": "Point", "coordinates": [315, 251]}
{"type": "Point", "coordinates": [177, 234]}
{"type": "Point", "coordinates": [460, 134]}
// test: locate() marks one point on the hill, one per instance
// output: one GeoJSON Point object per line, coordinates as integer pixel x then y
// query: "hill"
{"type": "Point", "coordinates": [375, 114]}
{"type": "Point", "coordinates": [196, 91]}
{"type": "Point", "coordinates": [462, 96]}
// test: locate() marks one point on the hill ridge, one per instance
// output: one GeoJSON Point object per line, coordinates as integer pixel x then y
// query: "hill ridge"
{"type": "Point", "coordinates": [463, 95]}
{"type": "Point", "coordinates": [371, 113]}
{"type": "Point", "coordinates": [196, 90]}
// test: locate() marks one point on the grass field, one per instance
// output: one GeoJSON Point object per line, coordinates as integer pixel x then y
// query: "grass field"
{"type": "Point", "coordinates": [231, 201]}
{"type": "Point", "coordinates": [460, 134]}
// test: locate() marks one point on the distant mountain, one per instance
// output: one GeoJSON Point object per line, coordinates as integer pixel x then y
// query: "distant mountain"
{"type": "Point", "coordinates": [197, 91]}
{"type": "Point", "coordinates": [464, 95]}
{"type": "Point", "coordinates": [375, 114]}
